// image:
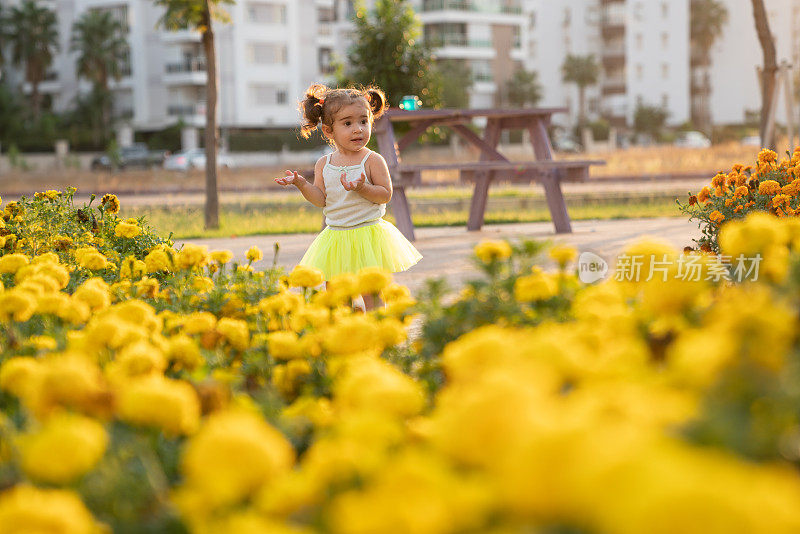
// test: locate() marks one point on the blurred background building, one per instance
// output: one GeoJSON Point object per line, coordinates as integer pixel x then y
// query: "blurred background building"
{"type": "Point", "coordinates": [274, 49]}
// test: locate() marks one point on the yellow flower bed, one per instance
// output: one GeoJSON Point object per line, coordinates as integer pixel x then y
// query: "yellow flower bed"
{"type": "Point", "coordinates": [771, 186]}
{"type": "Point", "coordinates": [173, 389]}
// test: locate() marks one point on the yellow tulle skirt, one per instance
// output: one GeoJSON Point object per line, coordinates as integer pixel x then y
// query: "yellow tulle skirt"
{"type": "Point", "coordinates": [348, 251]}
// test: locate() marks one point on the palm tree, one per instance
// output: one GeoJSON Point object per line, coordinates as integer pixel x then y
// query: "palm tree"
{"type": "Point", "coordinates": [708, 18]}
{"type": "Point", "coordinates": [583, 71]}
{"type": "Point", "coordinates": [769, 71]}
{"type": "Point", "coordinates": [32, 34]}
{"type": "Point", "coordinates": [99, 40]}
{"type": "Point", "coordinates": [199, 15]}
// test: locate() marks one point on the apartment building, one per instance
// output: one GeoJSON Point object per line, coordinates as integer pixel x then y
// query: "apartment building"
{"type": "Point", "coordinates": [266, 57]}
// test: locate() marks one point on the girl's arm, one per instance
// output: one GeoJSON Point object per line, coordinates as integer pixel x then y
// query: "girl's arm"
{"type": "Point", "coordinates": [380, 190]}
{"type": "Point", "coordinates": [314, 193]}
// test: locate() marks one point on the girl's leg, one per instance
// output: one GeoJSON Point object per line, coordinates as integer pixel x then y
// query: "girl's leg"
{"type": "Point", "coordinates": [371, 302]}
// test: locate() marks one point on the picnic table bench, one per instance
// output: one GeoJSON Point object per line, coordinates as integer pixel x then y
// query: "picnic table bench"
{"type": "Point", "coordinates": [491, 166]}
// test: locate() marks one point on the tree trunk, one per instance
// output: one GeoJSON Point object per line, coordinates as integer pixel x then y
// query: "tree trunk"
{"type": "Point", "coordinates": [581, 105]}
{"type": "Point", "coordinates": [211, 135]}
{"type": "Point", "coordinates": [769, 72]}
{"type": "Point", "coordinates": [36, 97]}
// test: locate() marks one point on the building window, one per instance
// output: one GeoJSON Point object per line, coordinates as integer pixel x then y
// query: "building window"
{"type": "Point", "coordinates": [665, 101]}
{"type": "Point", "coordinates": [118, 13]}
{"type": "Point", "coordinates": [638, 9]}
{"type": "Point", "coordinates": [665, 71]}
{"type": "Point", "coordinates": [664, 9]}
{"type": "Point", "coordinates": [325, 61]}
{"type": "Point", "coordinates": [266, 13]}
{"type": "Point", "coordinates": [532, 20]}
{"type": "Point", "coordinates": [639, 40]}
{"type": "Point", "coordinates": [567, 16]}
{"type": "Point", "coordinates": [639, 72]}
{"type": "Point", "coordinates": [267, 95]}
{"type": "Point", "coordinates": [325, 14]}
{"type": "Point", "coordinates": [664, 40]}
{"type": "Point", "coordinates": [532, 49]}
{"type": "Point", "coordinates": [267, 53]}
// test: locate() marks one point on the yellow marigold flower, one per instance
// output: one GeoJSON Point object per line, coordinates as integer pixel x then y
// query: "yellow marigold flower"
{"type": "Point", "coordinates": [24, 508]}
{"type": "Point", "coordinates": [74, 311]}
{"type": "Point", "coordinates": [563, 254]}
{"type": "Point", "coordinates": [137, 359]}
{"type": "Point", "coordinates": [16, 374]}
{"type": "Point", "coordinates": [394, 292]}
{"type": "Point", "coordinates": [372, 280]}
{"type": "Point", "coordinates": [184, 353]}
{"type": "Point", "coordinates": [391, 331]}
{"type": "Point", "coordinates": [233, 456]}
{"type": "Point", "coordinates": [372, 383]}
{"type": "Point", "coordinates": [254, 253]}
{"type": "Point", "coordinates": [95, 292]}
{"type": "Point", "coordinates": [202, 284]}
{"type": "Point", "coordinates": [354, 334]}
{"type": "Point", "coordinates": [156, 261]}
{"type": "Point", "coordinates": [62, 242]}
{"type": "Point", "coordinates": [171, 405]}
{"type": "Point", "coordinates": [192, 255]}
{"type": "Point", "coordinates": [16, 305]}
{"type": "Point", "coordinates": [199, 322]}
{"type": "Point", "coordinates": [65, 448]}
{"type": "Point", "coordinates": [126, 229]}
{"type": "Point", "coordinates": [534, 287]}
{"type": "Point", "coordinates": [489, 251]}
{"type": "Point", "coordinates": [305, 276]}
{"type": "Point", "coordinates": [716, 217]}
{"type": "Point", "coordinates": [93, 261]}
{"type": "Point", "coordinates": [222, 256]}
{"type": "Point", "coordinates": [131, 268]}
{"type": "Point", "coordinates": [284, 345]}
{"type": "Point", "coordinates": [110, 202]}
{"type": "Point", "coordinates": [769, 187]}
{"type": "Point", "coordinates": [235, 331]}
{"type": "Point", "coordinates": [42, 343]}
{"type": "Point", "coordinates": [11, 263]}
{"type": "Point", "coordinates": [147, 287]}
{"type": "Point", "coordinates": [767, 156]}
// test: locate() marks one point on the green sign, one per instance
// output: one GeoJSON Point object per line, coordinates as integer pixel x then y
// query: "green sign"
{"type": "Point", "coordinates": [410, 103]}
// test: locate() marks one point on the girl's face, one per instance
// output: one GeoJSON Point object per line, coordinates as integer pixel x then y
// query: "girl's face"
{"type": "Point", "coordinates": [352, 126]}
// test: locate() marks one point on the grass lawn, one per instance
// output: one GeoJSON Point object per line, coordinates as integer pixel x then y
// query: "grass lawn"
{"type": "Point", "coordinates": [291, 216]}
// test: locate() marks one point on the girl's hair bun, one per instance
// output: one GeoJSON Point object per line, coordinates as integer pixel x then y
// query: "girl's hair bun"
{"type": "Point", "coordinates": [311, 108]}
{"type": "Point", "coordinates": [376, 100]}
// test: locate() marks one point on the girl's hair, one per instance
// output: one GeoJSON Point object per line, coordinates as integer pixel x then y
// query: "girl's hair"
{"type": "Point", "coordinates": [321, 104]}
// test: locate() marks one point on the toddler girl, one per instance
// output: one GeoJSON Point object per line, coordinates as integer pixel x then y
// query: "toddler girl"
{"type": "Point", "coordinates": [351, 185]}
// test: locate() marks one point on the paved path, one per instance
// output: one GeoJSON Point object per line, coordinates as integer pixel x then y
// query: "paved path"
{"type": "Point", "coordinates": [447, 250]}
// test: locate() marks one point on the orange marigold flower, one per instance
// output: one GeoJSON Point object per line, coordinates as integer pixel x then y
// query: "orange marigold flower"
{"type": "Point", "coordinates": [767, 156]}
{"type": "Point", "coordinates": [728, 202]}
{"type": "Point", "coordinates": [740, 192]}
{"type": "Point", "coordinates": [718, 180]}
{"type": "Point", "coordinates": [716, 217]}
{"type": "Point", "coordinates": [720, 192]}
{"type": "Point", "coordinates": [769, 187]}
{"type": "Point", "coordinates": [737, 209]}
{"type": "Point", "coordinates": [692, 200]}
{"type": "Point", "coordinates": [704, 194]}
{"type": "Point", "coordinates": [737, 168]}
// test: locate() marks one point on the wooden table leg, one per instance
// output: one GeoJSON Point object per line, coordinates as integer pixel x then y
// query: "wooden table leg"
{"type": "Point", "coordinates": [480, 195]}
{"type": "Point", "coordinates": [556, 204]}
{"type": "Point", "coordinates": [402, 212]}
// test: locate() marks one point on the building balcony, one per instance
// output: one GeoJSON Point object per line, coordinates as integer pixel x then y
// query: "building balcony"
{"type": "Point", "coordinates": [190, 114]}
{"type": "Point", "coordinates": [188, 72]}
{"type": "Point", "coordinates": [505, 8]}
{"type": "Point", "coordinates": [613, 57]}
{"type": "Point", "coordinates": [613, 86]}
{"type": "Point", "coordinates": [181, 36]}
{"type": "Point", "coordinates": [457, 40]}
{"type": "Point", "coordinates": [482, 77]}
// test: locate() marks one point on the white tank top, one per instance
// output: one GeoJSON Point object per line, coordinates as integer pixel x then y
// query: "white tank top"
{"type": "Point", "coordinates": [344, 208]}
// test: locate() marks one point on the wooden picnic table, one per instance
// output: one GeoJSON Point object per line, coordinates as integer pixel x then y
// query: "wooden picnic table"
{"type": "Point", "coordinates": [491, 166]}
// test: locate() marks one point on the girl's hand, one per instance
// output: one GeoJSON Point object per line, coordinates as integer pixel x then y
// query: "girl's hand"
{"type": "Point", "coordinates": [291, 178]}
{"type": "Point", "coordinates": [355, 185]}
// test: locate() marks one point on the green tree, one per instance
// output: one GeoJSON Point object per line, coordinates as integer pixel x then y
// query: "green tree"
{"type": "Point", "coordinates": [583, 71]}
{"type": "Point", "coordinates": [524, 88]}
{"type": "Point", "coordinates": [707, 20]}
{"type": "Point", "coordinates": [199, 15]}
{"type": "Point", "coordinates": [388, 51]}
{"type": "Point", "coordinates": [99, 40]}
{"type": "Point", "coordinates": [456, 81]}
{"type": "Point", "coordinates": [649, 120]}
{"type": "Point", "coordinates": [32, 35]}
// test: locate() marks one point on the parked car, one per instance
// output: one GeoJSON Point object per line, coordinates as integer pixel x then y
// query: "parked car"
{"type": "Point", "coordinates": [194, 158]}
{"type": "Point", "coordinates": [692, 139]}
{"type": "Point", "coordinates": [135, 155]}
